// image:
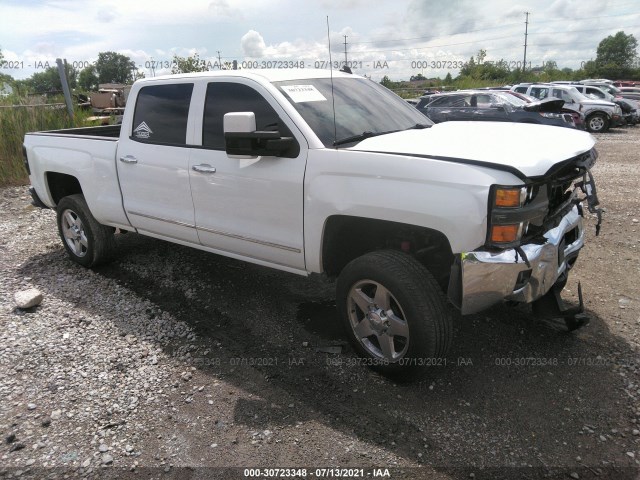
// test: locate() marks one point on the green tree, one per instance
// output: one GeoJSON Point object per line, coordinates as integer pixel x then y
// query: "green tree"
{"type": "Point", "coordinates": [447, 80]}
{"type": "Point", "coordinates": [49, 80]}
{"type": "Point", "coordinates": [479, 69]}
{"type": "Point", "coordinates": [386, 81]}
{"type": "Point", "coordinates": [189, 64]}
{"type": "Point", "coordinates": [468, 68]}
{"type": "Point", "coordinates": [418, 77]}
{"type": "Point", "coordinates": [113, 67]}
{"type": "Point", "coordinates": [88, 78]}
{"type": "Point", "coordinates": [617, 50]}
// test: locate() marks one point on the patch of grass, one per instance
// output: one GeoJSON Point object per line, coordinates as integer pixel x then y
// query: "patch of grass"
{"type": "Point", "coordinates": [14, 123]}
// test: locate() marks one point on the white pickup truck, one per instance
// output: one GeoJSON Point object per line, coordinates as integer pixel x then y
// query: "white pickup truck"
{"type": "Point", "coordinates": [310, 171]}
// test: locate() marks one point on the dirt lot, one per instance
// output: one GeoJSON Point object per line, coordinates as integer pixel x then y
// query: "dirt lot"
{"type": "Point", "coordinates": [174, 363]}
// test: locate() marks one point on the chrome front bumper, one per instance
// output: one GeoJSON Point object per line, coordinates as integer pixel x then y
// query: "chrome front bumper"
{"type": "Point", "coordinates": [480, 279]}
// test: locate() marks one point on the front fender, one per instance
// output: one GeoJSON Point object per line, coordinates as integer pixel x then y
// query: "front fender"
{"type": "Point", "coordinates": [443, 196]}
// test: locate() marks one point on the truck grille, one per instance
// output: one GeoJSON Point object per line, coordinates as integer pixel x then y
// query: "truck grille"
{"type": "Point", "coordinates": [560, 191]}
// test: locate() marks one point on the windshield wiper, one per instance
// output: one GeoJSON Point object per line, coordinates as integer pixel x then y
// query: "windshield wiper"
{"type": "Point", "coordinates": [368, 134]}
{"type": "Point", "coordinates": [362, 136]}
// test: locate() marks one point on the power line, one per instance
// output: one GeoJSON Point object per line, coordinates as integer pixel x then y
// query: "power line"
{"type": "Point", "coordinates": [438, 46]}
{"type": "Point", "coordinates": [618, 27]}
{"type": "Point", "coordinates": [479, 41]}
{"type": "Point", "coordinates": [430, 37]}
{"type": "Point", "coordinates": [590, 18]}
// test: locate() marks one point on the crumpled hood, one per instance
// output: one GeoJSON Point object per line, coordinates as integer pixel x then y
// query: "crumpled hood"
{"type": "Point", "coordinates": [532, 150]}
{"type": "Point", "coordinates": [546, 105]}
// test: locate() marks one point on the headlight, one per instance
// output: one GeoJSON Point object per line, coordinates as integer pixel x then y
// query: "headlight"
{"type": "Point", "coordinates": [503, 202]}
{"type": "Point", "coordinates": [506, 234]}
{"type": "Point", "coordinates": [618, 110]}
{"type": "Point", "coordinates": [550, 115]}
{"type": "Point", "coordinates": [510, 197]}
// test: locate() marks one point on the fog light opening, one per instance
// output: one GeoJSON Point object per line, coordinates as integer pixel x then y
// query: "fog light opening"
{"type": "Point", "coordinates": [523, 279]}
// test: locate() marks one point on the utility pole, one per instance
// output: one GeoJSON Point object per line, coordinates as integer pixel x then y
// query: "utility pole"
{"type": "Point", "coordinates": [62, 71]}
{"type": "Point", "coordinates": [526, 34]}
{"type": "Point", "coordinates": [345, 50]}
{"type": "Point", "coordinates": [219, 61]}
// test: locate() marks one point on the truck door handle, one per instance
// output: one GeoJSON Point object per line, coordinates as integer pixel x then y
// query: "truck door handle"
{"type": "Point", "coordinates": [203, 168]}
{"type": "Point", "coordinates": [128, 159]}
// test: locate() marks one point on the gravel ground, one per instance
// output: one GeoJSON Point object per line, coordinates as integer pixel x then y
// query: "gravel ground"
{"type": "Point", "coordinates": [174, 363]}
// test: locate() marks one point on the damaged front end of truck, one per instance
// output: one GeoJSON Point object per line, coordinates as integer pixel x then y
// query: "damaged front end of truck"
{"type": "Point", "coordinates": [534, 235]}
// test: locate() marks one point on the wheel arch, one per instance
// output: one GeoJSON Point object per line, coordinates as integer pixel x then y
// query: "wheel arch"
{"type": "Point", "coordinates": [348, 237]}
{"type": "Point", "coordinates": [598, 112]}
{"type": "Point", "coordinates": [60, 185]}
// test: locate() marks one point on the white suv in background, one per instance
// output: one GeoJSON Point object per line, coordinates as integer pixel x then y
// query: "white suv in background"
{"type": "Point", "coordinates": [597, 92]}
{"type": "Point", "coordinates": [599, 115]}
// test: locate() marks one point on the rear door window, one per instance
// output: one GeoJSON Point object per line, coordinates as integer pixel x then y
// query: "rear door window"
{"type": "Point", "coordinates": [161, 114]}
{"type": "Point", "coordinates": [539, 92]}
{"type": "Point", "coordinates": [562, 94]}
{"type": "Point", "coordinates": [452, 101]}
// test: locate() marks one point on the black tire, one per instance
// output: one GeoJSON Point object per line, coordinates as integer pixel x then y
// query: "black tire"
{"type": "Point", "coordinates": [86, 241]}
{"type": "Point", "coordinates": [416, 304]}
{"type": "Point", "coordinates": [597, 123]}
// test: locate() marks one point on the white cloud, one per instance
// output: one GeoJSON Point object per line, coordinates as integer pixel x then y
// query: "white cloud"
{"type": "Point", "coordinates": [106, 15]}
{"type": "Point", "coordinates": [400, 33]}
{"type": "Point", "coordinates": [253, 44]}
{"type": "Point", "coordinates": [221, 8]}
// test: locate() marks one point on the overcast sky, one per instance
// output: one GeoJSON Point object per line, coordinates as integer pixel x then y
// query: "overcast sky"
{"type": "Point", "coordinates": [406, 34]}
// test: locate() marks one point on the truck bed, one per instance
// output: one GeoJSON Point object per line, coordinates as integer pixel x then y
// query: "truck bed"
{"type": "Point", "coordinates": [87, 155]}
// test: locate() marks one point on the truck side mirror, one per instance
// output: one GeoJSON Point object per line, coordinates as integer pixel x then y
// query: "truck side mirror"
{"type": "Point", "coordinates": [243, 141]}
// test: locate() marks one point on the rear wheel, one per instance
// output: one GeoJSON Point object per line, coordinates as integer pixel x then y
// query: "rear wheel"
{"type": "Point", "coordinates": [393, 311]}
{"type": "Point", "coordinates": [597, 123]}
{"type": "Point", "coordinates": [86, 241]}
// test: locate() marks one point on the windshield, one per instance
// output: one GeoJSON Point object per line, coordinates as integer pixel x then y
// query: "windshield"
{"type": "Point", "coordinates": [610, 89]}
{"type": "Point", "coordinates": [361, 105]}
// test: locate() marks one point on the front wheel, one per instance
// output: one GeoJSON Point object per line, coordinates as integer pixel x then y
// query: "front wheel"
{"type": "Point", "coordinates": [393, 311]}
{"type": "Point", "coordinates": [86, 241]}
{"type": "Point", "coordinates": [597, 123]}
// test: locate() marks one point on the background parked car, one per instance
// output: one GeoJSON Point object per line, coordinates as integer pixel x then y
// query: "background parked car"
{"type": "Point", "coordinates": [599, 115]}
{"type": "Point", "coordinates": [631, 93]}
{"type": "Point", "coordinates": [604, 86]}
{"type": "Point", "coordinates": [493, 106]}
{"type": "Point", "coordinates": [625, 83]}
{"type": "Point", "coordinates": [610, 93]}
{"type": "Point", "coordinates": [630, 110]}
{"type": "Point", "coordinates": [596, 92]}
{"type": "Point", "coordinates": [578, 118]}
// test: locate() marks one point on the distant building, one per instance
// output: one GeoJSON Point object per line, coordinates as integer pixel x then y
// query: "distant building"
{"type": "Point", "coordinates": [5, 90]}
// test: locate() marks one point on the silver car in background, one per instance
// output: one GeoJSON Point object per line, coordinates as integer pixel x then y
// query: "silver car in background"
{"type": "Point", "coordinates": [599, 115]}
